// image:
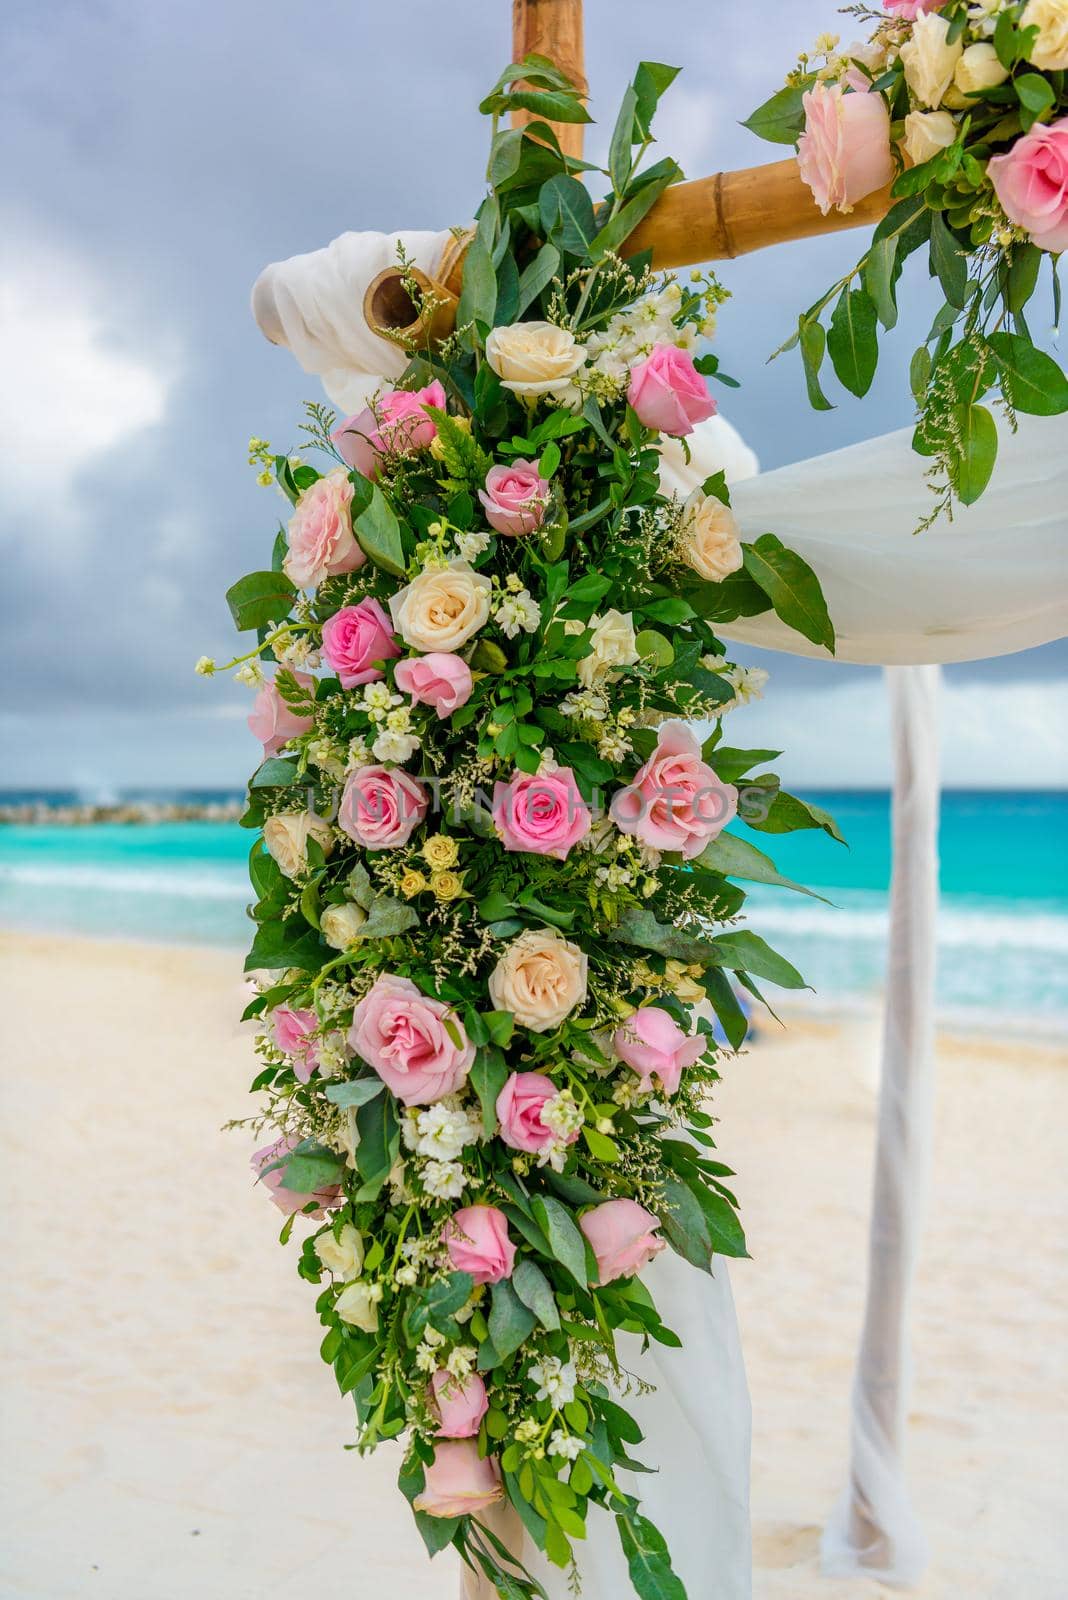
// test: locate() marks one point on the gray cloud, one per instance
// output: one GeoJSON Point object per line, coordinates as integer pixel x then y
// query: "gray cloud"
{"type": "Point", "coordinates": [164, 153]}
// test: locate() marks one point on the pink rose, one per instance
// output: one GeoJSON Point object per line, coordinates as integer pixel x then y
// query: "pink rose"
{"type": "Point", "coordinates": [401, 1033]}
{"type": "Point", "coordinates": [459, 1482]}
{"type": "Point", "coordinates": [909, 10]}
{"type": "Point", "coordinates": [1031, 182]}
{"type": "Point", "coordinates": [543, 816]}
{"type": "Point", "coordinates": [675, 801]}
{"type": "Point", "coordinates": [460, 1406]}
{"type": "Point", "coordinates": [844, 152]}
{"type": "Point", "coordinates": [290, 1200]}
{"type": "Point", "coordinates": [621, 1237]}
{"type": "Point", "coordinates": [477, 1241]}
{"type": "Point", "coordinates": [668, 393]}
{"type": "Point", "coordinates": [321, 540]}
{"type": "Point", "coordinates": [519, 1107]}
{"type": "Point", "coordinates": [271, 720]}
{"type": "Point", "coordinates": [396, 424]}
{"type": "Point", "coordinates": [514, 498]}
{"type": "Point", "coordinates": [440, 680]}
{"type": "Point", "coordinates": [381, 807]}
{"type": "Point", "coordinates": [355, 638]}
{"type": "Point", "coordinates": [652, 1042]}
{"type": "Point", "coordinates": [294, 1033]}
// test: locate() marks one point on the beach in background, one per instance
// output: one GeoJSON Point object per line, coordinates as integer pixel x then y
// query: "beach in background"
{"type": "Point", "coordinates": [1003, 926]}
{"type": "Point", "coordinates": [169, 1430]}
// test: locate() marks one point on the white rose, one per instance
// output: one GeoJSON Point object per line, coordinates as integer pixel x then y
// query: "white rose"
{"type": "Point", "coordinates": [540, 979]}
{"type": "Point", "coordinates": [979, 68]}
{"type": "Point", "coordinates": [286, 837]}
{"type": "Point", "coordinates": [926, 133]}
{"type": "Point", "coordinates": [357, 1304]}
{"type": "Point", "coordinates": [709, 537]}
{"type": "Point", "coordinates": [442, 608]}
{"type": "Point", "coordinates": [1050, 17]}
{"type": "Point", "coordinates": [340, 925]}
{"type": "Point", "coordinates": [534, 358]}
{"type": "Point", "coordinates": [613, 646]}
{"type": "Point", "coordinates": [342, 1256]}
{"type": "Point", "coordinates": [929, 61]}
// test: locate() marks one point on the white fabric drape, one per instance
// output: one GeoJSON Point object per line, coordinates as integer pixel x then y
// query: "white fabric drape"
{"type": "Point", "coordinates": [994, 580]}
{"type": "Point", "coordinates": [873, 1530]}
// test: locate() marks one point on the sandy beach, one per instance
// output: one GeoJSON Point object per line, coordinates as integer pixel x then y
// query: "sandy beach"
{"type": "Point", "coordinates": [169, 1431]}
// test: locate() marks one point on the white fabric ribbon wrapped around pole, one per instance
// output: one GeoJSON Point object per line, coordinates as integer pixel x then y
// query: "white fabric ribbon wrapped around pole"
{"type": "Point", "coordinates": [993, 581]}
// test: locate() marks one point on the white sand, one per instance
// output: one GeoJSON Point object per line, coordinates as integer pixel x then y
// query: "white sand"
{"type": "Point", "coordinates": [168, 1430]}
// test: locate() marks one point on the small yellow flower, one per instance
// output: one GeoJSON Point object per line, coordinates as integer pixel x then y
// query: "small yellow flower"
{"type": "Point", "coordinates": [440, 852]}
{"type": "Point", "coordinates": [681, 980]}
{"type": "Point", "coordinates": [412, 883]}
{"type": "Point", "coordinates": [265, 479]}
{"type": "Point", "coordinates": [447, 885]}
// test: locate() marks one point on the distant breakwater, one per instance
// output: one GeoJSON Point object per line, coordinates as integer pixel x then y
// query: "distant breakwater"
{"type": "Point", "coordinates": [136, 812]}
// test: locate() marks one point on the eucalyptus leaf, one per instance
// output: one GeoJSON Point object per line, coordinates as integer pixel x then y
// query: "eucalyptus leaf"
{"type": "Point", "coordinates": [791, 586]}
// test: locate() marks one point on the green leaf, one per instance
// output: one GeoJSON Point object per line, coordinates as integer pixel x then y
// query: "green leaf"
{"type": "Point", "coordinates": [948, 262]}
{"type": "Point", "coordinates": [920, 373]}
{"type": "Point", "coordinates": [650, 81]}
{"type": "Point", "coordinates": [1034, 92]}
{"type": "Point", "coordinates": [978, 435]}
{"type": "Point", "coordinates": [379, 1142]}
{"type": "Point", "coordinates": [737, 858]}
{"type": "Point", "coordinates": [306, 1171]}
{"type": "Point", "coordinates": [286, 944]}
{"type": "Point", "coordinates": [355, 1093]}
{"type": "Point", "coordinates": [537, 275]}
{"type": "Point", "coordinates": [488, 1076]}
{"type": "Point", "coordinates": [437, 1532]}
{"type": "Point", "coordinates": [1022, 275]}
{"type": "Point", "coordinates": [787, 814]}
{"type": "Point", "coordinates": [881, 272]}
{"type": "Point", "coordinates": [565, 1240]}
{"type": "Point", "coordinates": [791, 586]}
{"type": "Point", "coordinates": [552, 105]}
{"type": "Point", "coordinates": [721, 1220]}
{"type": "Point", "coordinates": [684, 1223]}
{"type": "Point", "coordinates": [638, 926]}
{"type": "Point", "coordinates": [615, 232]}
{"type": "Point", "coordinates": [781, 119]}
{"type": "Point", "coordinates": [259, 598]}
{"type": "Point", "coordinates": [510, 1321]}
{"type": "Point", "coordinates": [277, 772]}
{"type": "Point", "coordinates": [567, 214]}
{"type": "Point", "coordinates": [535, 1291]}
{"type": "Point", "coordinates": [813, 340]}
{"type": "Point", "coordinates": [743, 951]}
{"type": "Point", "coordinates": [725, 1004]}
{"type": "Point", "coordinates": [478, 297]}
{"type": "Point", "coordinates": [1031, 380]}
{"type": "Point", "coordinates": [648, 1559]}
{"type": "Point", "coordinates": [852, 341]}
{"type": "Point", "coordinates": [378, 533]}
{"type": "Point", "coordinates": [619, 158]}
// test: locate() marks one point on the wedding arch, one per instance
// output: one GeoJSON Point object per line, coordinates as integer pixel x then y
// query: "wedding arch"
{"type": "Point", "coordinates": [960, 591]}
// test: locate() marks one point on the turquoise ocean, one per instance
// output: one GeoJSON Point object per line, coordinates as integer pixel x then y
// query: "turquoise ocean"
{"type": "Point", "coordinates": [1003, 925]}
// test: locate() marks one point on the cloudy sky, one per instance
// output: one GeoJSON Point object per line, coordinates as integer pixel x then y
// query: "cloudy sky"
{"type": "Point", "coordinates": [159, 154]}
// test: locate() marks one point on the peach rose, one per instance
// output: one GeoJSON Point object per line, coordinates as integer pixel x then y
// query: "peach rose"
{"type": "Point", "coordinates": [930, 60]}
{"type": "Point", "coordinates": [844, 152]}
{"type": "Point", "coordinates": [459, 1482]}
{"type": "Point", "coordinates": [534, 358]}
{"type": "Point", "coordinates": [321, 540]}
{"type": "Point", "coordinates": [540, 979]}
{"type": "Point", "coordinates": [708, 537]}
{"type": "Point", "coordinates": [620, 1234]}
{"type": "Point", "coordinates": [1031, 182]}
{"type": "Point", "coordinates": [1049, 53]}
{"type": "Point", "coordinates": [441, 608]}
{"type": "Point", "coordinates": [286, 836]}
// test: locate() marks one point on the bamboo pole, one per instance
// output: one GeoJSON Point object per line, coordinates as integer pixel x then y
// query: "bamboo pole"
{"type": "Point", "coordinates": [552, 28]}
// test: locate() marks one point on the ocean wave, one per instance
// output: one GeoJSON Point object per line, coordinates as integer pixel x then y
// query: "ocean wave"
{"type": "Point", "coordinates": [960, 925]}
{"type": "Point", "coordinates": [196, 884]}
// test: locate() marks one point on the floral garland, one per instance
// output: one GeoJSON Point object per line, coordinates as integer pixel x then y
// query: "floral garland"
{"type": "Point", "coordinates": [494, 974]}
{"type": "Point", "coordinates": [962, 105]}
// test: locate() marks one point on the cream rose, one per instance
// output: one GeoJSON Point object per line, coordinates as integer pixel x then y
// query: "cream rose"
{"type": "Point", "coordinates": [343, 1255]}
{"type": "Point", "coordinates": [708, 537]}
{"type": "Point", "coordinates": [441, 608]}
{"type": "Point", "coordinates": [929, 60]}
{"type": "Point", "coordinates": [358, 1306]}
{"type": "Point", "coordinates": [613, 646]}
{"type": "Point", "coordinates": [340, 925]}
{"type": "Point", "coordinates": [534, 358]}
{"type": "Point", "coordinates": [1050, 17]}
{"type": "Point", "coordinates": [927, 133]}
{"type": "Point", "coordinates": [979, 68]}
{"type": "Point", "coordinates": [286, 836]}
{"type": "Point", "coordinates": [540, 979]}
